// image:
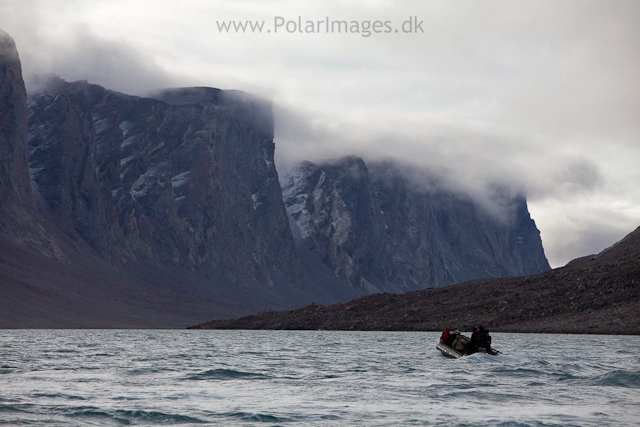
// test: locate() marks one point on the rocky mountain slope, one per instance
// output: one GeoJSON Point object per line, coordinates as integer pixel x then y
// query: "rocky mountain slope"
{"type": "Point", "coordinates": [122, 211]}
{"type": "Point", "coordinates": [597, 294]}
{"type": "Point", "coordinates": [381, 231]}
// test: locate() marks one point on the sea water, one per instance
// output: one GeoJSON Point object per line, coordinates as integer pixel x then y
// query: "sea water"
{"type": "Point", "coordinates": [315, 378]}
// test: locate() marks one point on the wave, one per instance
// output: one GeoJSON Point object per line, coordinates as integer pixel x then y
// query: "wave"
{"type": "Point", "coordinates": [101, 355]}
{"type": "Point", "coordinates": [617, 378]}
{"type": "Point", "coordinates": [57, 396]}
{"type": "Point", "coordinates": [226, 374]}
{"type": "Point", "coordinates": [268, 418]}
{"type": "Point", "coordinates": [148, 371]}
{"type": "Point", "coordinates": [620, 378]}
{"type": "Point", "coordinates": [18, 407]}
{"type": "Point", "coordinates": [262, 418]}
{"type": "Point", "coordinates": [134, 416]}
{"type": "Point", "coordinates": [479, 395]}
{"type": "Point", "coordinates": [66, 351]}
{"type": "Point", "coordinates": [517, 372]}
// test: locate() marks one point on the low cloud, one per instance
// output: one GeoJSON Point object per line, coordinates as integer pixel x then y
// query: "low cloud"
{"type": "Point", "coordinates": [471, 156]}
{"type": "Point", "coordinates": [84, 56]}
{"type": "Point", "coordinates": [74, 52]}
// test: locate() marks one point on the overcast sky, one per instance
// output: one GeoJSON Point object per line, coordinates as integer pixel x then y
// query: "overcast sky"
{"type": "Point", "coordinates": [542, 95]}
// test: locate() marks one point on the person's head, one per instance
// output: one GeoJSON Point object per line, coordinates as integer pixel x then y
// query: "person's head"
{"type": "Point", "coordinates": [447, 329]}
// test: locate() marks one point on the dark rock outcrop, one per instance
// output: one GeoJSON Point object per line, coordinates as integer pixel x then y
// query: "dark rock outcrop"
{"type": "Point", "coordinates": [599, 294]}
{"type": "Point", "coordinates": [389, 228]}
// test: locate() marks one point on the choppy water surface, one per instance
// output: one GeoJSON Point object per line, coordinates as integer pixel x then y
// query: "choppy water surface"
{"type": "Point", "coordinates": [85, 378]}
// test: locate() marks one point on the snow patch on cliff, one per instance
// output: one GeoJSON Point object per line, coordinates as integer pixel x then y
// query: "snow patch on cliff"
{"type": "Point", "coordinates": [124, 127]}
{"type": "Point", "coordinates": [100, 124]}
{"type": "Point", "coordinates": [256, 202]}
{"type": "Point", "coordinates": [180, 179]}
{"type": "Point", "coordinates": [145, 182]}
{"type": "Point", "coordinates": [123, 162]}
{"type": "Point", "coordinates": [128, 141]}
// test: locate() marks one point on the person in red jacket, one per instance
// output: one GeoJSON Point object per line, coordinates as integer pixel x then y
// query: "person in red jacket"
{"type": "Point", "coordinates": [445, 335]}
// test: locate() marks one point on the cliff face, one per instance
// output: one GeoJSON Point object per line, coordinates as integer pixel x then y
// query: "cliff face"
{"type": "Point", "coordinates": [335, 215]}
{"type": "Point", "coordinates": [14, 176]}
{"type": "Point", "coordinates": [186, 179]}
{"type": "Point", "coordinates": [441, 236]}
{"type": "Point", "coordinates": [120, 211]}
{"type": "Point", "coordinates": [381, 229]}
{"type": "Point", "coordinates": [20, 221]}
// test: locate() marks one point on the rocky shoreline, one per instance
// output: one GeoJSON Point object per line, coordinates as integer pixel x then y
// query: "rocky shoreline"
{"type": "Point", "coordinates": [599, 294]}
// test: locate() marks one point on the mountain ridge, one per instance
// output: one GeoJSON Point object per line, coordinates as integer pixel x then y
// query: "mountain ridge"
{"type": "Point", "coordinates": [597, 294]}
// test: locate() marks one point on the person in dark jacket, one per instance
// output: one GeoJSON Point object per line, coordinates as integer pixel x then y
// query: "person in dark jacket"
{"type": "Point", "coordinates": [473, 342]}
{"type": "Point", "coordinates": [476, 331]}
{"type": "Point", "coordinates": [482, 339]}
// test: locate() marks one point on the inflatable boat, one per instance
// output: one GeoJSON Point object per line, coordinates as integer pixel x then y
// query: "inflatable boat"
{"type": "Point", "coordinates": [448, 351]}
{"type": "Point", "coordinates": [456, 354]}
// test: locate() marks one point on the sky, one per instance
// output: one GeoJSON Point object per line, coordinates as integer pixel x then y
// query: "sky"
{"type": "Point", "coordinates": [541, 96]}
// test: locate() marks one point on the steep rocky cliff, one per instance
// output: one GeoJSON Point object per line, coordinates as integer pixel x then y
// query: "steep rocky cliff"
{"type": "Point", "coordinates": [441, 236]}
{"type": "Point", "coordinates": [19, 220]}
{"type": "Point", "coordinates": [14, 176]}
{"type": "Point", "coordinates": [387, 228]}
{"type": "Point", "coordinates": [186, 179]}
{"type": "Point", "coordinates": [139, 212]}
{"type": "Point", "coordinates": [335, 215]}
